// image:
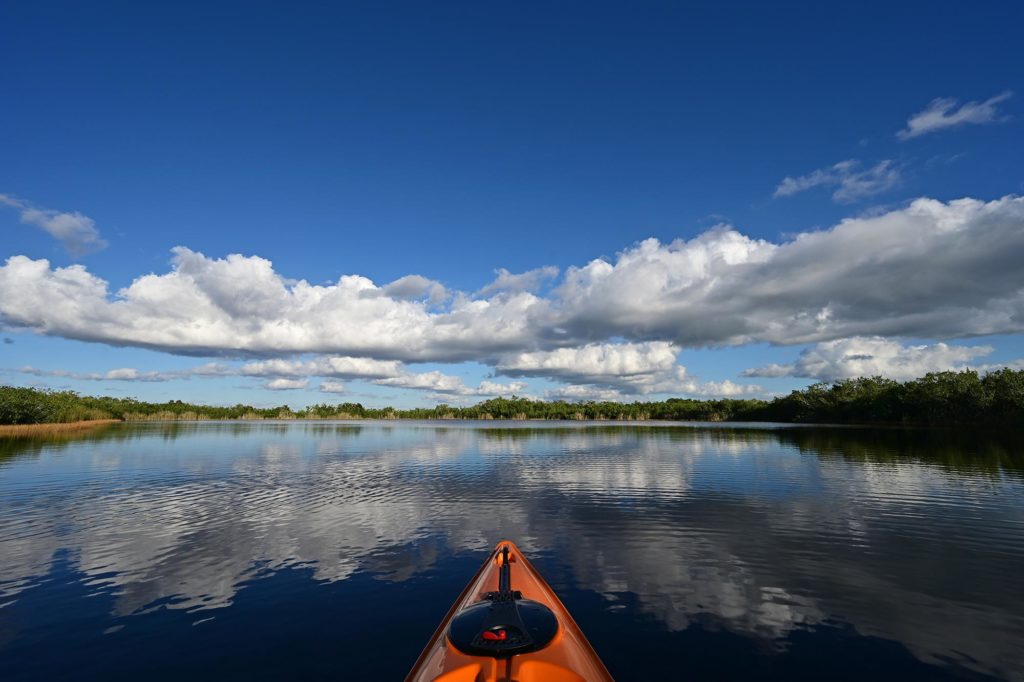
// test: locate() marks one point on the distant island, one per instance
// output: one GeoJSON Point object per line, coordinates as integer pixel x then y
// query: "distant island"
{"type": "Point", "coordinates": [963, 397]}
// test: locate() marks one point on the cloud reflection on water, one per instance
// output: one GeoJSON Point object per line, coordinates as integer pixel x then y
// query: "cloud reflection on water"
{"type": "Point", "coordinates": [742, 530]}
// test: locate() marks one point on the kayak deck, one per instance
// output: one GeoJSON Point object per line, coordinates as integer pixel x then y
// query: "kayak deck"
{"type": "Point", "coordinates": [567, 657]}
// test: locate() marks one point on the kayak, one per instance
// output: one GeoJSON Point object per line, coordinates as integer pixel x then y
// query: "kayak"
{"type": "Point", "coordinates": [508, 626]}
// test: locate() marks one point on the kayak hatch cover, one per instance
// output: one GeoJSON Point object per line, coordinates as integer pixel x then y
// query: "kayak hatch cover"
{"type": "Point", "coordinates": [508, 626]}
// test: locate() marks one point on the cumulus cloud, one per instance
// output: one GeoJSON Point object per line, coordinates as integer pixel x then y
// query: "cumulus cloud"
{"type": "Point", "coordinates": [415, 288]}
{"type": "Point", "coordinates": [727, 389]}
{"type": "Point", "coordinates": [77, 233]}
{"type": "Point", "coordinates": [282, 384]}
{"type": "Point", "coordinates": [851, 182]}
{"type": "Point", "coordinates": [446, 384]}
{"type": "Point", "coordinates": [943, 113]}
{"type": "Point", "coordinates": [996, 366]}
{"type": "Point", "coordinates": [591, 371]}
{"type": "Point", "coordinates": [494, 388]}
{"type": "Point", "coordinates": [677, 381]}
{"type": "Point", "coordinates": [614, 371]}
{"type": "Point", "coordinates": [679, 384]}
{"type": "Point", "coordinates": [578, 393]}
{"type": "Point", "coordinates": [332, 386]}
{"type": "Point", "coordinates": [928, 270]}
{"type": "Point", "coordinates": [523, 281]}
{"type": "Point", "coordinates": [593, 361]}
{"type": "Point", "coordinates": [872, 356]}
{"type": "Point", "coordinates": [239, 304]}
{"type": "Point", "coordinates": [334, 367]}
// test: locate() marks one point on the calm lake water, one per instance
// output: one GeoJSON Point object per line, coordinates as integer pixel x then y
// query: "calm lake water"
{"type": "Point", "coordinates": [264, 551]}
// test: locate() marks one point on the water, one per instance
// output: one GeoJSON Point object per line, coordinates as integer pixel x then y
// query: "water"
{"type": "Point", "coordinates": [331, 550]}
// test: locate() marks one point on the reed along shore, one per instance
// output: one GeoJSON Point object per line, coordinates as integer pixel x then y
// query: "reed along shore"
{"type": "Point", "coordinates": [35, 430]}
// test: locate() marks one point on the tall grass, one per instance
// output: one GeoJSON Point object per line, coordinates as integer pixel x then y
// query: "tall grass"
{"type": "Point", "coordinates": [45, 430]}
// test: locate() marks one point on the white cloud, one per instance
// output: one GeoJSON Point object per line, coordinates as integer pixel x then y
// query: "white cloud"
{"type": "Point", "coordinates": [599, 371]}
{"type": "Point", "coordinates": [577, 393]}
{"type": "Point", "coordinates": [332, 386]}
{"type": "Point", "coordinates": [446, 384]}
{"type": "Point", "coordinates": [334, 367]}
{"type": "Point", "coordinates": [943, 113]}
{"type": "Point", "coordinates": [774, 371]}
{"type": "Point", "coordinates": [873, 356]}
{"type": "Point", "coordinates": [211, 369]}
{"type": "Point", "coordinates": [282, 384]}
{"type": "Point", "coordinates": [996, 366]}
{"type": "Point", "coordinates": [688, 387]}
{"type": "Point", "coordinates": [678, 382]}
{"type": "Point", "coordinates": [597, 360]}
{"type": "Point", "coordinates": [589, 371]}
{"type": "Point", "coordinates": [237, 304]}
{"type": "Point", "coordinates": [119, 374]}
{"type": "Point", "coordinates": [850, 182]}
{"type": "Point", "coordinates": [77, 233]}
{"type": "Point", "coordinates": [728, 389]}
{"type": "Point", "coordinates": [331, 367]}
{"type": "Point", "coordinates": [495, 388]}
{"type": "Point", "coordinates": [524, 281]}
{"type": "Point", "coordinates": [414, 288]}
{"type": "Point", "coordinates": [284, 374]}
{"type": "Point", "coordinates": [929, 270]}
{"type": "Point", "coordinates": [126, 374]}
{"type": "Point", "coordinates": [428, 381]}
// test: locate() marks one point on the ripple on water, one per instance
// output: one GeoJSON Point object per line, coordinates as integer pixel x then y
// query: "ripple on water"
{"type": "Point", "coordinates": [757, 533]}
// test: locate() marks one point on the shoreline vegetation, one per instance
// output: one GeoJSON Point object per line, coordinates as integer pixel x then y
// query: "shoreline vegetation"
{"type": "Point", "coordinates": [52, 429]}
{"type": "Point", "coordinates": [963, 398]}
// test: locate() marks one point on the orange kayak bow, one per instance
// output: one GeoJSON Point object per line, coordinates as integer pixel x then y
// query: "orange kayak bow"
{"type": "Point", "coordinates": [508, 626]}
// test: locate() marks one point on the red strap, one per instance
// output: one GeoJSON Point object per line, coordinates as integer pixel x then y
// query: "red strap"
{"type": "Point", "coordinates": [492, 636]}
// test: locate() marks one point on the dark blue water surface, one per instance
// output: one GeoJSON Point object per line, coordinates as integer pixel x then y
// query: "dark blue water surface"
{"type": "Point", "coordinates": [330, 550]}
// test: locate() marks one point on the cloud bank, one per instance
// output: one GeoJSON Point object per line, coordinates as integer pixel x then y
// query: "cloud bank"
{"type": "Point", "coordinates": [593, 362]}
{"type": "Point", "coordinates": [874, 356]}
{"type": "Point", "coordinates": [448, 385]}
{"type": "Point", "coordinates": [929, 270]}
{"type": "Point", "coordinates": [615, 371]}
{"type": "Point", "coordinates": [119, 374]}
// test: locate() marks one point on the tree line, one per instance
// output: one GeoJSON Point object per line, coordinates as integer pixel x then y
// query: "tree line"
{"type": "Point", "coordinates": [963, 397]}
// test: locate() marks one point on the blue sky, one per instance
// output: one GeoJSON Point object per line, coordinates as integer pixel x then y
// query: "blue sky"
{"type": "Point", "coordinates": [452, 141]}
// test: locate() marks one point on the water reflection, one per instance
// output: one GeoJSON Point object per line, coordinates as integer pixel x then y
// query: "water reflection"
{"type": "Point", "coordinates": [910, 536]}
